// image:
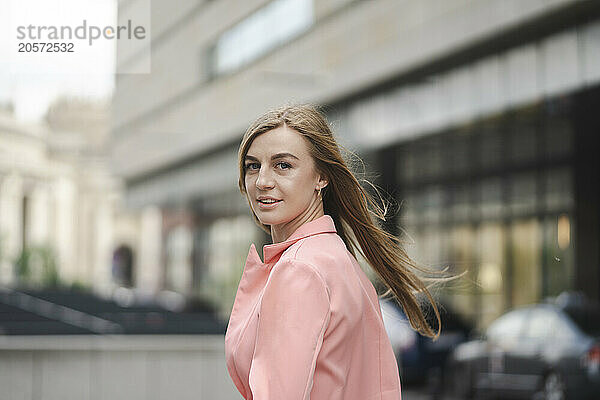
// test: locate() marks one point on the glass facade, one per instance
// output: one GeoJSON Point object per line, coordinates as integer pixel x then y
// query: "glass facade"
{"type": "Point", "coordinates": [274, 24]}
{"type": "Point", "coordinates": [494, 198]}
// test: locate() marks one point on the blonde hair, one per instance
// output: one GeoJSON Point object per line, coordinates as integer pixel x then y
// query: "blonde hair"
{"type": "Point", "coordinates": [350, 207]}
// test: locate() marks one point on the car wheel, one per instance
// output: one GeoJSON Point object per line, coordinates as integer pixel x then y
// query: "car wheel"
{"type": "Point", "coordinates": [554, 387]}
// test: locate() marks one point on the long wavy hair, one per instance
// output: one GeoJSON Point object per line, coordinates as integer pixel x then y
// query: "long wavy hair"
{"type": "Point", "coordinates": [351, 207]}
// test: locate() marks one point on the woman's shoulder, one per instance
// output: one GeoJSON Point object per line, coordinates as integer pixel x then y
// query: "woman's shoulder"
{"type": "Point", "coordinates": [323, 251]}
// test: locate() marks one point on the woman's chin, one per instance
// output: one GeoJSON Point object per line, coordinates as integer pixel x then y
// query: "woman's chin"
{"type": "Point", "coordinates": [266, 218]}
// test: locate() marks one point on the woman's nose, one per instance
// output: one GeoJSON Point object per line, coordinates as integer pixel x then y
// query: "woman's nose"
{"type": "Point", "coordinates": [265, 179]}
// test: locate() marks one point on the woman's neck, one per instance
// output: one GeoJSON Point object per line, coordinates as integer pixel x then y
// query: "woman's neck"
{"type": "Point", "coordinates": [281, 232]}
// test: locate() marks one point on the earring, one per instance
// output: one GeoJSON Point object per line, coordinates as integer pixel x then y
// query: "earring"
{"type": "Point", "coordinates": [319, 190]}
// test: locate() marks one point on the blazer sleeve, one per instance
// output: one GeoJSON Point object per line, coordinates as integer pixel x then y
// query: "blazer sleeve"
{"type": "Point", "coordinates": [292, 318]}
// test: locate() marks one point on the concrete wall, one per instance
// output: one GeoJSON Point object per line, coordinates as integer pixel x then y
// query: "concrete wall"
{"type": "Point", "coordinates": [114, 367]}
{"type": "Point", "coordinates": [172, 113]}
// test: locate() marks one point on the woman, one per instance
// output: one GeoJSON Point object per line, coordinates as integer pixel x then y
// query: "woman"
{"type": "Point", "coordinates": [306, 322]}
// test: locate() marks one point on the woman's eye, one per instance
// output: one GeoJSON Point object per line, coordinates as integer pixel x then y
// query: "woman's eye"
{"type": "Point", "coordinates": [251, 165]}
{"type": "Point", "coordinates": [284, 165]}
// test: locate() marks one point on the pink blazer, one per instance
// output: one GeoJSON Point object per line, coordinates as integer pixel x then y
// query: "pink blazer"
{"type": "Point", "coordinates": [306, 324]}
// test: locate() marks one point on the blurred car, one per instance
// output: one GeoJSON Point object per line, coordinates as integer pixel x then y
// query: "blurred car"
{"type": "Point", "coordinates": [547, 351]}
{"type": "Point", "coordinates": [420, 359]}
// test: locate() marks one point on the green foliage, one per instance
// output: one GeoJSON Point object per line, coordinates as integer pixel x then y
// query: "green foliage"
{"type": "Point", "coordinates": [79, 286]}
{"type": "Point", "coordinates": [36, 265]}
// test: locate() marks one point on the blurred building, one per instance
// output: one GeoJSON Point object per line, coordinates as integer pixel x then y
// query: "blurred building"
{"type": "Point", "coordinates": [57, 198]}
{"type": "Point", "coordinates": [480, 117]}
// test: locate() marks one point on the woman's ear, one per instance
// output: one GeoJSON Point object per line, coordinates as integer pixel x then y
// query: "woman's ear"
{"type": "Point", "coordinates": [323, 181]}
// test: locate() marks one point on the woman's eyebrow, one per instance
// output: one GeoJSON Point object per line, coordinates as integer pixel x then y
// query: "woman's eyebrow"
{"type": "Point", "coordinates": [274, 157]}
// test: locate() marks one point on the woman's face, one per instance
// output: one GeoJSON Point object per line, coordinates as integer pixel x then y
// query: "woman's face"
{"type": "Point", "coordinates": [281, 178]}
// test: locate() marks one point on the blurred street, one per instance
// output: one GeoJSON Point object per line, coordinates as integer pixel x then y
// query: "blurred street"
{"type": "Point", "coordinates": [421, 393]}
{"type": "Point", "coordinates": [124, 232]}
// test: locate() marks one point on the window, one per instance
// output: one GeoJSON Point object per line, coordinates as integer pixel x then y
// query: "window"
{"type": "Point", "coordinates": [504, 187]}
{"type": "Point", "coordinates": [559, 254]}
{"type": "Point", "coordinates": [509, 325]}
{"type": "Point", "coordinates": [461, 205]}
{"type": "Point", "coordinates": [586, 318]}
{"type": "Point", "coordinates": [411, 208]}
{"type": "Point", "coordinates": [523, 188]}
{"type": "Point", "coordinates": [433, 203]}
{"type": "Point", "coordinates": [525, 259]}
{"type": "Point", "coordinates": [558, 187]}
{"type": "Point", "coordinates": [542, 323]}
{"type": "Point", "coordinates": [491, 198]}
{"type": "Point", "coordinates": [522, 140]}
{"type": "Point", "coordinates": [559, 137]}
{"type": "Point", "coordinates": [459, 153]}
{"type": "Point", "coordinates": [277, 22]}
{"type": "Point", "coordinates": [491, 146]}
{"type": "Point", "coordinates": [432, 162]}
{"type": "Point", "coordinates": [407, 168]}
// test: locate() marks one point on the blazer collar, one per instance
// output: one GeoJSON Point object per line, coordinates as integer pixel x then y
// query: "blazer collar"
{"type": "Point", "coordinates": [323, 224]}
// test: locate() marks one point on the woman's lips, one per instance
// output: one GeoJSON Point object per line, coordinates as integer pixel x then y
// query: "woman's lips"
{"type": "Point", "coordinates": [267, 206]}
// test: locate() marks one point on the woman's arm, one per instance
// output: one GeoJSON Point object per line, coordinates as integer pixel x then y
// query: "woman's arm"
{"type": "Point", "coordinates": [293, 316]}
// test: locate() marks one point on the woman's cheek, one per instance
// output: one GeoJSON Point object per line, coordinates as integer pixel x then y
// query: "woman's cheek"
{"type": "Point", "coordinates": [248, 182]}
